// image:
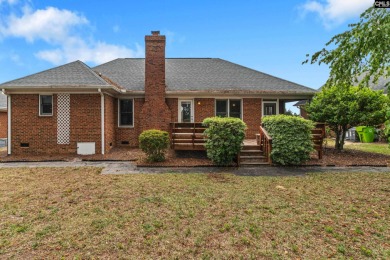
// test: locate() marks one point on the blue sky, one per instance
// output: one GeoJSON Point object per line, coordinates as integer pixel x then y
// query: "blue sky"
{"type": "Point", "coordinates": [270, 36]}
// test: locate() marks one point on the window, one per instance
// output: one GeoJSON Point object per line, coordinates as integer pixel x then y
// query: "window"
{"type": "Point", "coordinates": [270, 108]}
{"type": "Point", "coordinates": [125, 112]}
{"type": "Point", "coordinates": [221, 108]}
{"type": "Point", "coordinates": [228, 108]}
{"type": "Point", "coordinates": [45, 105]}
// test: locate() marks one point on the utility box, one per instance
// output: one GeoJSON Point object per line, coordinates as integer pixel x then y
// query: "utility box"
{"type": "Point", "coordinates": [86, 148]}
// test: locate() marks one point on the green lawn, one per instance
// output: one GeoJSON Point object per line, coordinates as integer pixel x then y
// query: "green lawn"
{"type": "Point", "coordinates": [381, 148]}
{"type": "Point", "coordinates": [78, 213]}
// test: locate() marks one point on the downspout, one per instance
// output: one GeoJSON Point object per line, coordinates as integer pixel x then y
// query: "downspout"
{"type": "Point", "coordinates": [102, 117]}
{"type": "Point", "coordinates": [8, 122]}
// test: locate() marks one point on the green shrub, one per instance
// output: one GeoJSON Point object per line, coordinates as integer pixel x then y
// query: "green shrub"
{"type": "Point", "coordinates": [154, 143]}
{"type": "Point", "coordinates": [224, 138]}
{"type": "Point", "coordinates": [291, 138]}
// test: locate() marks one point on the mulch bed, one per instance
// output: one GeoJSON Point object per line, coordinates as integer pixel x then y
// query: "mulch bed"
{"type": "Point", "coordinates": [178, 159]}
{"type": "Point", "coordinates": [348, 157]}
{"type": "Point", "coordinates": [331, 157]}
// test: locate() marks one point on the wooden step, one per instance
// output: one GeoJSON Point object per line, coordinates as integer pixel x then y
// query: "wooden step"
{"type": "Point", "coordinates": [251, 152]}
{"type": "Point", "coordinates": [250, 147]}
{"type": "Point", "coordinates": [252, 157]}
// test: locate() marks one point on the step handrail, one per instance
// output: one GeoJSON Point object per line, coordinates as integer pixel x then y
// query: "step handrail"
{"type": "Point", "coordinates": [265, 142]}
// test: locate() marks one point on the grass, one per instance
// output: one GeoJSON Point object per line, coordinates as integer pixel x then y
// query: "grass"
{"type": "Point", "coordinates": [381, 148]}
{"type": "Point", "coordinates": [79, 213]}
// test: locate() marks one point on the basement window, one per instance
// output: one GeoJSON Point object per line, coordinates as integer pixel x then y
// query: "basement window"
{"type": "Point", "coordinates": [125, 112]}
{"type": "Point", "coordinates": [45, 105]}
{"type": "Point", "coordinates": [24, 145]}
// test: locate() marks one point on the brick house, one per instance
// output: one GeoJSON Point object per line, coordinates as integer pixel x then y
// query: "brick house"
{"type": "Point", "coordinates": [77, 109]}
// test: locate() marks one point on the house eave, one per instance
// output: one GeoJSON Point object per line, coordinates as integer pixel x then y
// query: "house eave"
{"type": "Point", "coordinates": [240, 93]}
{"type": "Point", "coordinates": [59, 89]}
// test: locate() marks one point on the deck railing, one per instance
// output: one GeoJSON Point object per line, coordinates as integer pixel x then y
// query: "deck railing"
{"type": "Point", "coordinates": [187, 136]}
{"type": "Point", "coordinates": [317, 137]}
{"type": "Point", "coordinates": [265, 142]}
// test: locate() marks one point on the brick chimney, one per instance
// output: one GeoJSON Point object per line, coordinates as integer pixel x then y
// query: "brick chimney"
{"type": "Point", "coordinates": [155, 113]}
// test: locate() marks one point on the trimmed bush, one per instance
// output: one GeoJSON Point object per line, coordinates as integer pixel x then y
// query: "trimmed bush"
{"type": "Point", "coordinates": [224, 138]}
{"type": "Point", "coordinates": [291, 138]}
{"type": "Point", "coordinates": [154, 143]}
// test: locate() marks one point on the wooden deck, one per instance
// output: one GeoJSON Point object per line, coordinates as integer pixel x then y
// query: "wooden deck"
{"type": "Point", "coordinates": [190, 137]}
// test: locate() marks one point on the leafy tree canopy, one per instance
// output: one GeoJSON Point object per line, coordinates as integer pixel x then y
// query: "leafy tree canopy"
{"type": "Point", "coordinates": [360, 54]}
{"type": "Point", "coordinates": [341, 108]}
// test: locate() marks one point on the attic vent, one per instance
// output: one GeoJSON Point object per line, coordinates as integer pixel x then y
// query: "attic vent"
{"type": "Point", "coordinates": [25, 145]}
{"type": "Point", "coordinates": [125, 142]}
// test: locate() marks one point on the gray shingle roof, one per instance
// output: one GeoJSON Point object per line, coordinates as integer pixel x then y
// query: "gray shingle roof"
{"type": "Point", "coordinates": [300, 103]}
{"type": "Point", "coordinates": [74, 74]}
{"type": "Point", "coordinates": [3, 101]}
{"type": "Point", "coordinates": [381, 84]}
{"type": "Point", "coordinates": [202, 74]}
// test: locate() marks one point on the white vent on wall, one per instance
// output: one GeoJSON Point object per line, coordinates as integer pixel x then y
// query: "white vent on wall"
{"type": "Point", "coordinates": [63, 118]}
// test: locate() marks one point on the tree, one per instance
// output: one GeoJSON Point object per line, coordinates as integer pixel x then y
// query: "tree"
{"type": "Point", "coordinates": [344, 107]}
{"type": "Point", "coordinates": [361, 54]}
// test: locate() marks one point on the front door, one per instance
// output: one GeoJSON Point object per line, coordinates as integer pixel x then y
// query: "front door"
{"type": "Point", "coordinates": [186, 113]}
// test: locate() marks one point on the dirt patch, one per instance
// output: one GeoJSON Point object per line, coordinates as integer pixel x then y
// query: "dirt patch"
{"type": "Point", "coordinates": [349, 157]}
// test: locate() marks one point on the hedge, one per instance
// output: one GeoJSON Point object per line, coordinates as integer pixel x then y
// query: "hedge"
{"type": "Point", "coordinates": [154, 143]}
{"type": "Point", "coordinates": [291, 138]}
{"type": "Point", "coordinates": [224, 138]}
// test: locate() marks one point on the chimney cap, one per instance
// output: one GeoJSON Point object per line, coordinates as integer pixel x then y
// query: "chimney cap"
{"type": "Point", "coordinates": [155, 32]}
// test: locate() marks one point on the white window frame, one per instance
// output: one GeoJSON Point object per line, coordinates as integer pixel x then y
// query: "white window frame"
{"type": "Point", "coordinates": [270, 102]}
{"type": "Point", "coordinates": [179, 109]}
{"type": "Point", "coordinates": [40, 103]}
{"type": "Point", "coordinates": [119, 113]}
{"type": "Point", "coordinates": [228, 106]}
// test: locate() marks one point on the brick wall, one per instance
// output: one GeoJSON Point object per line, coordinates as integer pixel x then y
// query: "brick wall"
{"type": "Point", "coordinates": [109, 122]}
{"type": "Point", "coordinates": [40, 132]}
{"type": "Point", "coordinates": [252, 116]}
{"type": "Point", "coordinates": [85, 120]}
{"type": "Point", "coordinates": [3, 124]}
{"type": "Point", "coordinates": [127, 134]}
{"type": "Point", "coordinates": [173, 107]}
{"type": "Point", "coordinates": [205, 109]}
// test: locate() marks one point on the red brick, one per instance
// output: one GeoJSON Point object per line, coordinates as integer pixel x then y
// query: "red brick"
{"type": "Point", "coordinates": [3, 124]}
{"type": "Point", "coordinates": [252, 116]}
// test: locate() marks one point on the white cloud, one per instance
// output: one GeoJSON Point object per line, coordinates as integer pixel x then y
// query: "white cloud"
{"type": "Point", "coordinates": [334, 12]}
{"type": "Point", "coordinates": [96, 52]}
{"type": "Point", "coordinates": [50, 24]}
{"type": "Point", "coordinates": [62, 29]}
